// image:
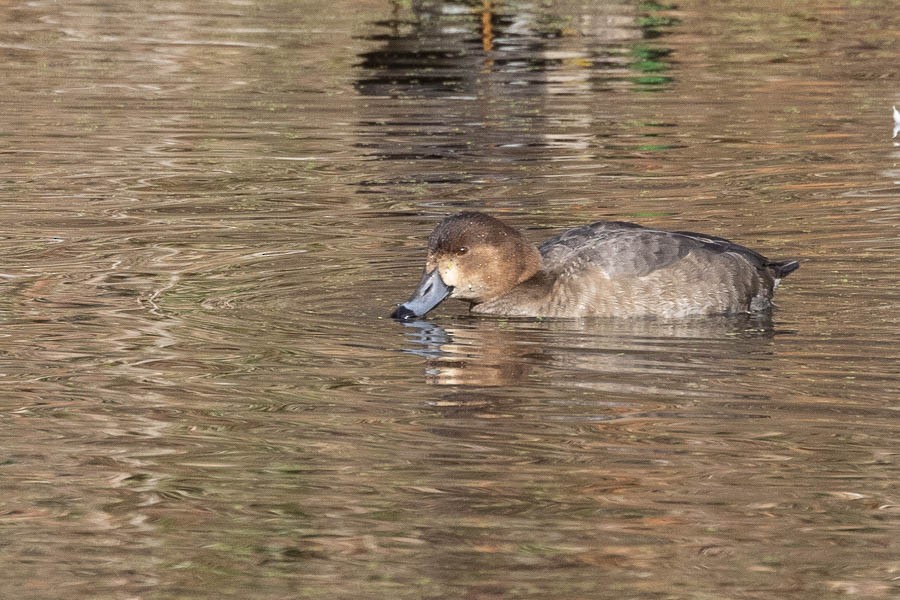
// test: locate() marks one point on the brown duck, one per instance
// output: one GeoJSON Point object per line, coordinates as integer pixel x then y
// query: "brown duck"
{"type": "Point", "coordinates": [605, 269]}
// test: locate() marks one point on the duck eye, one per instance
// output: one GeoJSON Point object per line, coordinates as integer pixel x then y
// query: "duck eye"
{"type": "Point", "coordinates": [462, 250]}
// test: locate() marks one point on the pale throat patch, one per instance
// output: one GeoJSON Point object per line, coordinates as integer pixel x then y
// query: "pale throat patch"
{"type": "Point", "coordinates": [449, 274]}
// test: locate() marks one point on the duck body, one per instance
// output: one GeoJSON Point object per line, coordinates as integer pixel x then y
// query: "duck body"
{"type": "Point", "coordinates": [605, 269]}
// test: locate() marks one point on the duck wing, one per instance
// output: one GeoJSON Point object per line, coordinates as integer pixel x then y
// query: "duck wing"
{"type": "Point", "coordinates": [617, 248]}
{"type": "Point", "coordinates": [622, 249]}
{"type": "Point", "coordinates": [779, 268]}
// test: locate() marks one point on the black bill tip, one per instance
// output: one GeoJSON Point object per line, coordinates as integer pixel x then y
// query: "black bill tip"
{"type": "Point", "coordinates": [401, 313]}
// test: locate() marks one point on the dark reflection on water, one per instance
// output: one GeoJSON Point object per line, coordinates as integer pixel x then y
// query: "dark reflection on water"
{"type": "Point", "coordinates": [451, 48]}
{"type": "Point", "coordinates": [483, 87]}
{"type": "Point", "coordinates": [208, 209]}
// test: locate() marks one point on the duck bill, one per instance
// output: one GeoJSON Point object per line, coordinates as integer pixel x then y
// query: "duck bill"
{"type": "Point", "coordinates": [430, 292]}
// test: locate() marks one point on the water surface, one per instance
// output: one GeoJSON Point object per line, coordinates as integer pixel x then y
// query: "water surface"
{"type": "Point", "coordinates": [209, 209]}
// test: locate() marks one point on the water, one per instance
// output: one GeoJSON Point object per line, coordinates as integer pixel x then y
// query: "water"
{"type": "Point", "coordinates": [209, 209]}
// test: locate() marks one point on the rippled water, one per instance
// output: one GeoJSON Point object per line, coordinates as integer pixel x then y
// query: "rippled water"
{"type": "Point", "coordinates": [209, 208]}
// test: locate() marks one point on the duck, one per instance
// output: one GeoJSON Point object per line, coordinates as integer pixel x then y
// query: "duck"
{"type": "Point", "coordinates": [604, 269]}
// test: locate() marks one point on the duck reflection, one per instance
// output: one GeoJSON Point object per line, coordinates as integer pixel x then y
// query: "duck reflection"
{"type": "Point", "coordinates": [472, 355]}
{"type": "Point", "coordinates": [617, 354]}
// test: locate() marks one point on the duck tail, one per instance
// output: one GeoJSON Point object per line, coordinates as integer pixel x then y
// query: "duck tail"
{"type": "Point", "coordinates": [783, 268]}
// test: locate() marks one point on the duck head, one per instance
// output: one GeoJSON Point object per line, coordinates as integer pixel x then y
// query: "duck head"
{"type": "Point", "coordinates": [471, 256]}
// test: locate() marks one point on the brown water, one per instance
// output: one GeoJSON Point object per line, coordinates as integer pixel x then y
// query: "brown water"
{"type": "Point", "coordinates": [209, 208]}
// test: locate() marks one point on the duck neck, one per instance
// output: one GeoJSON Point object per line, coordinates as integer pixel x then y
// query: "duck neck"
{"type": "Point", "coordinates": [531, 263]}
